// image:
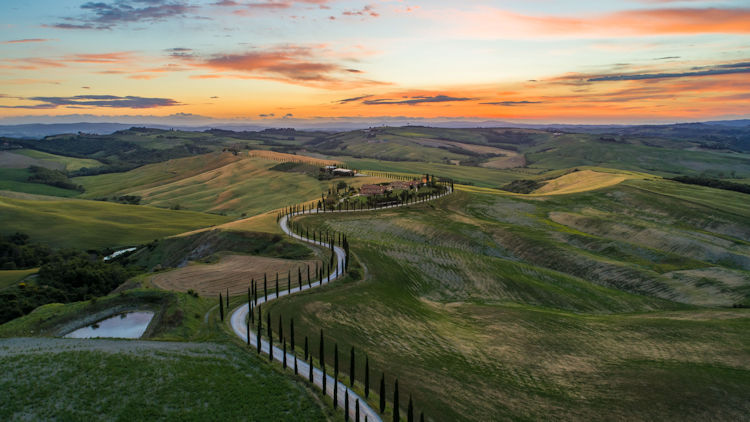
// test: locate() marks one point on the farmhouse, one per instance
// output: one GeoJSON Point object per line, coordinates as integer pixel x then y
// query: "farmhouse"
{"type": "Point", "coordinates": [404, 185]}
{"type": "Point", "coordinates": [343, 172]}
{"type": "Point", "coordinates": [370, 190]}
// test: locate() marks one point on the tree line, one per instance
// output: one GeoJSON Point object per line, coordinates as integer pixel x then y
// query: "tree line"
{"type": "Point", "coordinates": [713, 183]}
{"type": "Point", "coordinates": [64, 276]}
{"type": "Point", "coordinates": [363, 377]}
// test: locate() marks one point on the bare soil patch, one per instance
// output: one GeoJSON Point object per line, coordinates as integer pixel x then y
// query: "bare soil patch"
{"type": "Point", "coordinates": [232, 272]}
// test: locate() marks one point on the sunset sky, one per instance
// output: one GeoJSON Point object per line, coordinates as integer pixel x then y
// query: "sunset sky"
{"type": "Point", "coordinates": [610, 61]}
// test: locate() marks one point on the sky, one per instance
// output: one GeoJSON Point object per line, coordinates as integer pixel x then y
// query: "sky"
{"type": "Point", "coordinates": [277, 61]}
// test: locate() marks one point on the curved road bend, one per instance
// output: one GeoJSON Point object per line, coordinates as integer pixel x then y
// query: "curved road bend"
{"type": "Point", "coordinates": [239, 317]}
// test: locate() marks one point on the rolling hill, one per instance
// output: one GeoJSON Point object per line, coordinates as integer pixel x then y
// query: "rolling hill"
{"type": "Point", "coordinates": [490, 304]}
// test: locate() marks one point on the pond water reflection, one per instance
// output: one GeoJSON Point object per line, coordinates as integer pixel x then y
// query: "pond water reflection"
{"type": "Point", "coordinates": [125, 325]}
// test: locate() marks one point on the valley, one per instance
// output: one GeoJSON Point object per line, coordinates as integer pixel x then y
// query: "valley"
{"type": "Point", "coordinates": [567, 284]}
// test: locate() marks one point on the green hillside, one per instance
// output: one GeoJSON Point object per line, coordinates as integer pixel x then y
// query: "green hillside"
{"type": "Point", "coordinates": [17, 180]}
{"type": "Point", "coordinates": [64, 163]}
{"type": "Point", "coordinates": [145, 381]}
{"type": "Point", "coordinates": [217, 183]}
{"type": "Point", "coordinates": [493, 306]}
{"type": "Point", "coordinates": [94, 224]}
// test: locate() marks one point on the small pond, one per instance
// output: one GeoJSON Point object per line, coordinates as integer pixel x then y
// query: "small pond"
{"type": "Point", "coordinates": [125, 325]}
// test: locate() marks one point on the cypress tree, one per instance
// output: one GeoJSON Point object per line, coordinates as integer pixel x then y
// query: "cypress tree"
{"type": "Point", "coordinates": [249, 296]}
{"type": "Point", "coordinates": [270, 337]}
{"type": "Point", "coordinates": [305, 347]}
{"type": "Point", "coordinates": [227, 299]}
{"type": "Point", "coordinates": [421, 416]}
{"type": "Point", "coordinates": [299, 277]}
{"type": "Point", "coordinates": [277, 285]}
{"type": "Point", "coordinates": [281, 328]}
{"type": "Point", "coordinates": [335, 392]}
{"type": "Point", "coordinates": [336, 360]}
{"type": "Point", "coordinates": [382, 393]}
{"type": "Point", "coordinates": [351, 368]}
{"type": "Point", "coordinates": [221, 307]}
{"type": "Point", "coordinates": [396, 415]}
{"type": "Point", "coordinates": [310, 375]}
{"type": "Point", "coordinates": [289, 279]}
{"type": "Point", "coordinates": [323, 360]}
{"type": "Point", "coordinates": [308, 276]}
{"type": "Point", "coordinates": [248, 330]}
{"type": "Point", "coordinates": [367, 377]}
{"type": "Point", "coordinates": [260, 329]}
{"type": "Point", "coordinates": [346, 405]}
{"type": "Point", "coordinates": [284, 341]}
{"type": "Point", "coordinates": [410, 411]}
{"type": "Point", "coordinates": [265, 288]}
{"type": "Point", "coordinates": [291, 335]}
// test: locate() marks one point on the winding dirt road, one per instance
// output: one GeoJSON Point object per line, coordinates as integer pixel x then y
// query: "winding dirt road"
{"type": "Point", "coordinates": [238, 321]}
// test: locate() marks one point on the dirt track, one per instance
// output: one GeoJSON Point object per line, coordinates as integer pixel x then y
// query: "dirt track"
{"type": "Point", "coordinates": [233, 272]}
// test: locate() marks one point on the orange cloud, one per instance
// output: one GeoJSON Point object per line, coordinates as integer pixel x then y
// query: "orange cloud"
{"type": "Point", "coordinates": [27, 40]}
{"type": "Point", "coordinates": [300, 65]}
{"type": "Point", "coordinates": [495, 23]}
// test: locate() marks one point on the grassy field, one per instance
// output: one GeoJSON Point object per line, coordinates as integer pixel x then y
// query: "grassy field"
{"type": "Point", "coordinates": [462, 174]}
{"type": "Point", "coordinates": [212, 376]}
{"type": "Point", "coordinates": [16, 180]}
{"type": "Point", "coordinates": [94, 224]}
{"type": "Point", "coordinates": [657, 157]}
{"type": "Point", "coordinates": [490, 306]}
{"type": "Point", "coordinates": [109, 380]}
{"type": "Point", "coordinates": [12, 277]}
{"type": "Point", "coordinates": [211, 262]}
{"type": "Point", "coordinates": [64, 163]}
{"type": "Point", "coordinates": [217, 183]}
{"type": "Point", "coordinates": [581, 181]}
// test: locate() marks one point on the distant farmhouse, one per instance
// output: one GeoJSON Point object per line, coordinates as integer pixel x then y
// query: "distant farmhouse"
{"type": "Point", "coordinates": [405, 185]}
{"type": "Point", "coordinates": [372, 190]}
{"type": "Point", "coordinates": [339, 172]}
{"type": "Point", "coordinates": [343, 172]}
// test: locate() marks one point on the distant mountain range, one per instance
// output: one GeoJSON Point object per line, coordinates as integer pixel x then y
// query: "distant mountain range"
{"type": "Point", "coordinates": [39, 130]}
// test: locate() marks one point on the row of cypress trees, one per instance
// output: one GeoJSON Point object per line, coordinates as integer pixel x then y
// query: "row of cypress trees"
{"type": "Point", "coordinates": [331, 240]}
{"type": "Point", "coordinates": [305, 208]}
{"type": "Point", "coordinates": [308, 357]}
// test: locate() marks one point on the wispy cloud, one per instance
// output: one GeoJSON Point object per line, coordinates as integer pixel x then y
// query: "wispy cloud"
{"type": "Point", "coordinates": [487, 22]}
{"type": "Point", "coordinates": [27, 40]}
{"type": "Point", "coordinates": [511, 103]}
{"type": "Point", "coordinates": [724, 69]}
{"type": "Point", "coordinates": [417, 100]}
{"type": "Point", "coordinates": [95, 101]}
{"type": "Point", "coordinates": [349, 100]}
{"type": "Point", "coordinates": [366, 11]}
{"type": "Point", "coordinates": [101, 15]}
{"type": "Point", "coordinates": [297, 64]}
{"type": "Point", "coordinates": [250, 7]}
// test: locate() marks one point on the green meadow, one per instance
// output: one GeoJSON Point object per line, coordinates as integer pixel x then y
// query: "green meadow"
{"type": "Point", "coordinates": [81, 224]}
{"type": "Point", "coordinates": [596, 305]}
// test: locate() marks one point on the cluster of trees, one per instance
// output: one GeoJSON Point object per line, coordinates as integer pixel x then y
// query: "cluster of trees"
{"type": "Point", "coordinates": [522, 186]}
{"type": "Point", "coordinates": [435, 188]}
{"type": "Point", "coordinates": [51, 177]}
{"type": "Point", "coordinates": [123, 199]}
{"type": "Point", "coordinates": [64, 276]}
{"type": "Point", "coordinates": [713, 183]}
{"type": "Point", "coordinates": [17, 253]}
{"type": "Point", "coordinates": [115, 151]}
